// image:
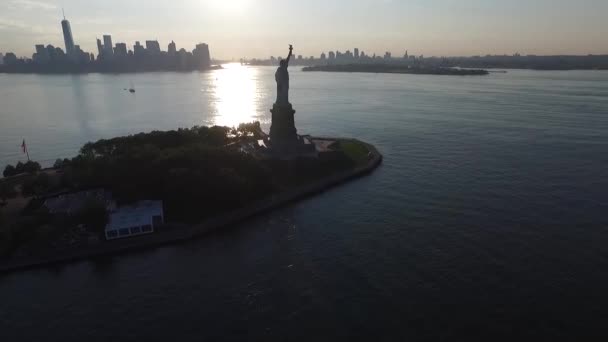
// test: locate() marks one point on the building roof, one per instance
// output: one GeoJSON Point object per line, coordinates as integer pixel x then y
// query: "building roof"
{"type": "Point", "coordinates": [71, 203]}
{"type": "Point", "coordinates": [135, 215]}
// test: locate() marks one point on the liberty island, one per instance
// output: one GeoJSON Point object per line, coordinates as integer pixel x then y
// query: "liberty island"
{"type": "Point", "coordinates": [212, 178]}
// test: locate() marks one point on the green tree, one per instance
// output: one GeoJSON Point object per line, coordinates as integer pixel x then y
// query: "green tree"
{"type": "Point", "coordinates": [19, 168]}
{"type": "Point", "coordinates": [38, 185]}
{"type": "Point", "coordinates": [252, 128]}
{"type": "Point", "coordinates": [31, 167]}
{"type": "Point", "coordinates": [7, 191]}
{"type": "Point", "coordinates": [58, 164]}
{"type": "Point", "coordinates": [94, 216]}
{"type": "Point", "coordinates": [9, 171]}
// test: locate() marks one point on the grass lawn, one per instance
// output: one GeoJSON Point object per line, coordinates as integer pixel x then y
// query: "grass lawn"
{"type": "Point", "coordinates": [355, 150]}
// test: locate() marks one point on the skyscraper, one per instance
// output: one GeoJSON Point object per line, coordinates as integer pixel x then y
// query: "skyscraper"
{"type": "Point", "coordinates": [172, 49]}
{"type": "Point", "coordinates": [138, 50]}
{"type": "Point", "coordinates": [356, 53]}
{"type": "Point", "coordinates": [107, 46]}
{"type": "Point", "coordinates": [99, 48]}
{"type": "Point", "coordinates": [10, 58]}
{"type": "Point", "coordinates": [153, 47]}
{"type": "Point", "coordinates": [67, 36]}
{"type": "Point", "coordinates": [42, 54]}
{"type": "Point", "coordinates": [201, 55]}
{"type": "Point", "coordinates": [120, 50]}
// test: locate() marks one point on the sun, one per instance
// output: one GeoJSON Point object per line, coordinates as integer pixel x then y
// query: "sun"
{"type": "Point", "coordinates": [231, 5]}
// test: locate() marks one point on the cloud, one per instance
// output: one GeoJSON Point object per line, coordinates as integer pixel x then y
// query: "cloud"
{"type": "Point", "coordinates": [6, 23]}
{"type": "Point", "coordinates": [32, 5]}
{"type": "Point", "coordinates": [23, 28]}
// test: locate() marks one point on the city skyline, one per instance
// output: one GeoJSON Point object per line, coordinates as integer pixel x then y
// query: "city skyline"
{"type": "Point", "coordinates": [244, 29]}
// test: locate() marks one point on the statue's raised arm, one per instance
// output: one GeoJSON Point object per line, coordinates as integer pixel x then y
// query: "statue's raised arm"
{"type": "Point", "coordinates": [282, 78]}
{"type": "Point", "coordinates": [290, 53]}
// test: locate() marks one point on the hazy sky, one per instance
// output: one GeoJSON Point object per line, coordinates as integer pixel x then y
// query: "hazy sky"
{"type": "Point", "coordinates": [260, 28]}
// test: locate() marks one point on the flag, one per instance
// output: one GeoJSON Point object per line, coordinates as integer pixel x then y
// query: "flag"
{"type": "Point", "coordinates": [24, 149]}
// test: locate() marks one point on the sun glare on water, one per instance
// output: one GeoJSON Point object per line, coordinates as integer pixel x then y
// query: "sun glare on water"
{"type": "Point", "coordinates": [236, 95]}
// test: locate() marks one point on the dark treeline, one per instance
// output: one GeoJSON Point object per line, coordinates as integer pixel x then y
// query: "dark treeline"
{"type": "Point", "coordinates": [191, 170]}
{"type": "Point", "coordinates": [198, 172]}
{"type": "Point", "coordinates": [27, 167]}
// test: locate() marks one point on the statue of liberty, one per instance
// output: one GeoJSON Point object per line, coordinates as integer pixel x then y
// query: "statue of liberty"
{"type": "Point", "coordinates": [282, 78]}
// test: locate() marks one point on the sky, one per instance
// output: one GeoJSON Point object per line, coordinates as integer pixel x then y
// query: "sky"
{"type": "Point", "coordinates": [261, 28]}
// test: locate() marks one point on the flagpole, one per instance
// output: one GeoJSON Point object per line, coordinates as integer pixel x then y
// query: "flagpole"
{"type": "Point", "coordinates": [24, 147]}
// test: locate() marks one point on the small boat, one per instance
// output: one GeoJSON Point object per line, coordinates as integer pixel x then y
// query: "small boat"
{"type": "Point", "coordinates": [132, 89]}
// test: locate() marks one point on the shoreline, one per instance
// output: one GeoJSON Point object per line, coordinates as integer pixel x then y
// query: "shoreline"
{"type": "Point", "coordinates": [104, 72]}
{"type": "Point", "coordinates": [395, 69]}
{"type": "Point", "coordinates": [180, 233]}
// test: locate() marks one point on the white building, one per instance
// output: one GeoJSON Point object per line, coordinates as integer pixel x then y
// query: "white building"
{"type": "Point", "coordinates": [137, 219]}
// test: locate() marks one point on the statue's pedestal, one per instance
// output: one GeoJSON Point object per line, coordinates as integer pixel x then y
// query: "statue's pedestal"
{"type": "Point", "coordinates": [285, 143]}
{"type": "Point", "coordinates": [283, 130]}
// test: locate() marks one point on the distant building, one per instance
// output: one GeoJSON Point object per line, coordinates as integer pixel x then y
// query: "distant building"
{"type": "Point", "coordinates": [387, 55]}
{"type": "Point", "coordinates": [172, 49]}
{"type": "Point", "coordinates": [201, 56]}
{"type": "Point", "coordinates": [323, 56]}
{"type": "Point", "coordinates": [67, 37]}
{"type": "Point", "coordinates": [356, 53]}
{"type": "Point", "coordinates": [153, 47]}
{"type": "Point", "coordinates": [120, 50]}
{"type": "Point", "coordinates": [136, 219]}
{"type": "Point", "coordinates": [138, 50]}
{"type": "Point", "coordinates": [107, 47]}
{"type": "Point", "coordinates": [52, 52]}
{"type": "Point", "coordinates": [99, 48]}
{"type": "Point", "coordinates": [183, 57]}
{"type": "Point", "coordinates": [332, 55]}
{"type": "Point", "coordinates": [1, 58]}
{"type": "Point", "coordinates": [10, 58]}
{"type": "Point", "coordinates": [81, 56]}
{"type": "Point", "coordinates": [42, 55]}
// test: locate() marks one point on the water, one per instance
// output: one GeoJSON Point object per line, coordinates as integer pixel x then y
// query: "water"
{"type": "Point", "coordinates": [487, 219]}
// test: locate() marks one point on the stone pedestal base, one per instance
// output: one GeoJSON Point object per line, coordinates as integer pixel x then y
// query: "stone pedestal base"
{"type": "Point", "coordinates": [285, 143]}
{"type": "Point", "coordinates": [283, 130]}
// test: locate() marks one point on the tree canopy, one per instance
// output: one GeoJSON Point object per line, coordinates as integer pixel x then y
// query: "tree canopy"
{"type": "Point", "coordinates": [189, 169]}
